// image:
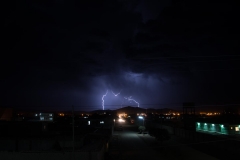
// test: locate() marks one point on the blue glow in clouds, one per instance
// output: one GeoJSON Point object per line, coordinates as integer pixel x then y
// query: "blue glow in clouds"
{"type": "Point", "coordinates": [103, 99]}
{"type": "Point", "coordinates": [130, 99]}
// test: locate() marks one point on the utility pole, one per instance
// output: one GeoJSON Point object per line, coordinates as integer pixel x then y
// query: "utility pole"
{"type": "Point", "coordinates": [73, 130]}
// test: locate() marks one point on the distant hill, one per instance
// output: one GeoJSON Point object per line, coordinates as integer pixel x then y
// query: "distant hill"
{"type": "Point", "coordinates": [130, 110]}
{"type": "Point", "coordinates": [135, 110]}
{"type": "Point", "coordinates": [101, 111]}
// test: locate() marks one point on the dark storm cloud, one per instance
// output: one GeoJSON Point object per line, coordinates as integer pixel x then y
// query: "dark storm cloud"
{"type": "Point", "coordinates": [55, 45]}
{"type": "Point", "coordinates": [151, 9]}
{"type": "Point", "coordinates": [63, 52]}
{"type": "Point", "coordinates": [76, 31]}
{"type": "Point", "coordinates": [191, 44]}
{"type": "Point", "coordinates": [186, 32]}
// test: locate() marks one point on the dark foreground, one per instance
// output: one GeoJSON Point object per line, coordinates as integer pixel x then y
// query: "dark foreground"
{"type": "Point", "coordinates": [128, 144]}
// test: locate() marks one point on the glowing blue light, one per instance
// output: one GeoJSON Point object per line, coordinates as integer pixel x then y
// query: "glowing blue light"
{"type": "Point", "coordinates": [205, 124]}
{"type": "Point", "coordinates": [198, 123]}
{"type": "Point", "coordinates": [103, 99]}
{"type": "Point", "coordinates": [213, 125]}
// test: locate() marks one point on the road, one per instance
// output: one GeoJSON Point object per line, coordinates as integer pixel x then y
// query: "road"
{"type": "Point", "coordinates": [128, 145]}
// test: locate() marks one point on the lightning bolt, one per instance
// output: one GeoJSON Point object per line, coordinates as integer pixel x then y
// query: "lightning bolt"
{"type": "Point", "coordinates": [103, 99]}
{"type": "Point", "coordinates": [130, 99]}
{"type": "Point", "coordinates": [116, 94]}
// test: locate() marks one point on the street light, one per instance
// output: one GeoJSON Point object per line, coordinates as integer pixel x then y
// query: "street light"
{"type": "Point", "coordinates": [143, 128]}
{"type": "Point", "coordinates": [141, 117]}
{"type": "Point", "coordinates": [121, 120]}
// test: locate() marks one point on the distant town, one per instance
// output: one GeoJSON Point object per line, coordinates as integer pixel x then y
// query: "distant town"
{"type": "Point", "coordinates": [95, 135]}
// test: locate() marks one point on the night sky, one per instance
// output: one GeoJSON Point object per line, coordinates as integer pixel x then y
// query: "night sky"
{"type": "Point", "coordinates": [59, 53]}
